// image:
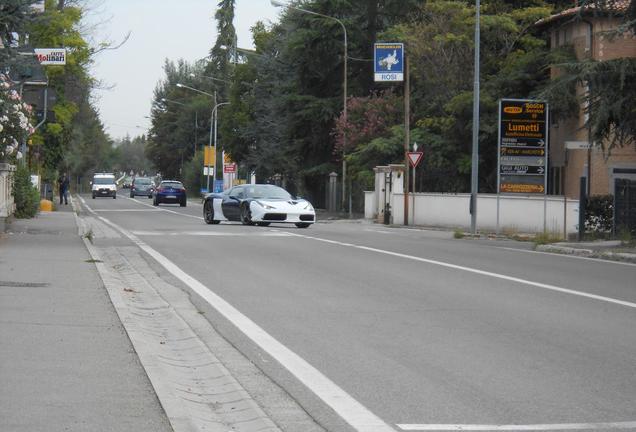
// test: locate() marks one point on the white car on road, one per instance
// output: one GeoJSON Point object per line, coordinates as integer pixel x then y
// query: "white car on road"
{"type": "Point", "coordinates": [259, 204]}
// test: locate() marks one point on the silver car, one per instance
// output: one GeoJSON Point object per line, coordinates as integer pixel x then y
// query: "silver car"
{"type": "Point", "coordinates": [142, 186]}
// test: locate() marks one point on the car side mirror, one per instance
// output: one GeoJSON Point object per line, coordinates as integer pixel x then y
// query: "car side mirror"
{"type": "Point", "coordinates": [234, 197]}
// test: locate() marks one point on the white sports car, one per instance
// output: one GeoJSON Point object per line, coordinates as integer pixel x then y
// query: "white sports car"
{"type": "Point", "coordinates": [259, 204]}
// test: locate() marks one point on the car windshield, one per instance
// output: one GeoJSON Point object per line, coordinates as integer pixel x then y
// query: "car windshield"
{"type": "Point", "coordinates": [142, 181]}
{"type": "Point", "coordinates": [267, 192]}
{"type": "Point", "coordinates": [173, 185]}
{"type": "Point", "coordinates": [103, 180]}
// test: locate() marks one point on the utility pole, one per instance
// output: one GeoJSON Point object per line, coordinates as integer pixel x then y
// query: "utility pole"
{"type": "Point", "coordinates": [474, 181]}
{"type": "Point", "coordinates": [407, 138]}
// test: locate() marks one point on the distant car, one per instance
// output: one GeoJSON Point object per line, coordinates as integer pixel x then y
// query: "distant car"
{"type": "Point", "coordinates": [127, 182]}
{"type": "Point", "coordinates": [259, 204]}
{"type": "Point", "coordinates": [103, 184]}
{"type": "Point", "coordinates": [142, 186]}
{"type": "Point", "coordinates": [170, 191]}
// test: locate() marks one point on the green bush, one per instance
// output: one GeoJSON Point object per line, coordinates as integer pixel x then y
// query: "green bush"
{"type": "Point", "coordinates": [599, 214]}
{"type": "Point", "coordinates": [26, 197]}
{"type": "Point", "coordinates": [192, 175]}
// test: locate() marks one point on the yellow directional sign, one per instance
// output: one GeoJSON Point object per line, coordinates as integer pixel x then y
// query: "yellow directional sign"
{"type": "Point", "coordinates": [209, 156]}
{"type": "Point", "coordinates": [521, 188]}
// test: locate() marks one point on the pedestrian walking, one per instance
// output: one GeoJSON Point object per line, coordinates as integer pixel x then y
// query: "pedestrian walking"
{"type": "Point", "coordinates": [63, 184]}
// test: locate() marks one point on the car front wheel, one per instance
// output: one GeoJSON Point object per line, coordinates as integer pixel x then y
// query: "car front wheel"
{"type": "Point", "coordinates": [302, 225]}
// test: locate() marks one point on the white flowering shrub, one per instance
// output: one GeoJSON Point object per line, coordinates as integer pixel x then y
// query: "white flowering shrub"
{"type": "Point", "coordinates": [15, 122]}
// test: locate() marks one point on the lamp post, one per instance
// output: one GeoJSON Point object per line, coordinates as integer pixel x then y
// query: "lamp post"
{"type": "Point", "coordinates": [192, 75]}
{"type": "Point", "coordinates": [212, 116]}
{"type": "Point", "coordinates": [474, 180]}
{"type": "Point", "coordinates": [278, 3]}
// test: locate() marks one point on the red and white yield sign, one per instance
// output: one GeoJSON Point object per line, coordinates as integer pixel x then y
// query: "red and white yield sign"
{"type": "Point", "coordinates": [415, 158]}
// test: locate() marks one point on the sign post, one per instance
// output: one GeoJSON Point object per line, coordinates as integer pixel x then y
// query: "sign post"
{"type": "Point", "coordinates": [390, 65]}
{"type": "Point", "coordinates": [415, 157]}
{"type": "Point", "coordinates": [522, 165]}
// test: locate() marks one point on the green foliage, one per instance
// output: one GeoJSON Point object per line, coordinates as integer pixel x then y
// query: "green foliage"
{"type": "Point", "coordinates": [546, 238]}
{"type": "Point", "coordinates": [220, 58]}
{"type": "Point", "coordinates": [15, 16]}
{"type": "Point", "coordinates": [180, 117]}
{"type": "Point", "coordinates": [599, 214]}
{"type": "Point", "coordinates": [26, 197]}
{"type": "Point", "coordinates": [75, 141]}
{"type": "Point", "coordinates": [129, 155]}
{"type": "Point", "coordinates": [193, 179]}
{"type": "Point", "coordinates": [440, 43]}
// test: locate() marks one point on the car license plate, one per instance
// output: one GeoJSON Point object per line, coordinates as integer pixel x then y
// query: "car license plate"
{"type": "Point", "coordinates": [171, 196]}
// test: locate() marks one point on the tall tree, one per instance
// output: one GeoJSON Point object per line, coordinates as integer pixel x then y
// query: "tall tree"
{"type": "Point", "coordinates": [221, 54]}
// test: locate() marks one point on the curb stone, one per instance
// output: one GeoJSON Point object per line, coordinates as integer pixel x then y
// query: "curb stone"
{"type": "Point", "coordinates": [589, 253]}
{"type": "Point", "coordinates": [196, 391]}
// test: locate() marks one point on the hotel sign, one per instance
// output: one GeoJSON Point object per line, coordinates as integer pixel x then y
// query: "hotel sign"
{"type": "Point", "coordinates": [522, 146]}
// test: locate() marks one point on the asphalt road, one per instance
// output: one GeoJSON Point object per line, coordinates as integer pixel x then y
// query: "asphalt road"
{"type": "Point", "coordinates": [421, 329]}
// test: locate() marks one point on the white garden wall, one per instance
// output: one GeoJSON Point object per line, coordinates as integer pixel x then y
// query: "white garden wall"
{"type": "Point", "coordinates": [516, 213]}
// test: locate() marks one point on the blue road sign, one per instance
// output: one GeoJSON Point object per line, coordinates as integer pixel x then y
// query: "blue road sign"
{"type": "Point", "coordinates": [218, 186]}
{"type": "Point", "coordinates": [388, 63]}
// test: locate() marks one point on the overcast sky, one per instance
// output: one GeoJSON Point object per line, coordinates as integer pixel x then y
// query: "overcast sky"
{"type": "Point", "coordinates": [159, 29]}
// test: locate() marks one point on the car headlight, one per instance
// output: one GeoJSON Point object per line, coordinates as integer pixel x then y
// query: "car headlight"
{"type": "Point", "coordinates": [265, 206]}
{"type": "Point", "coordinates": [309, 207]}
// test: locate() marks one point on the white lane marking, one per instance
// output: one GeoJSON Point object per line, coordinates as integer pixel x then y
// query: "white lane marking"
{"type": "Point", "coordinates": [348, 408]}
{"type": "Point", "coordinates": [477, 271]}
{"type": "Point", "coordinates": [163, 209]}
{"type": "Point", "coordinates": [531, 427]}
{"type": "Point", "coordinates": [125, 210]}
{"type": "Point", "coordinates": [211, 233]}
{"type": "Point", "coordinates": [600, 261]}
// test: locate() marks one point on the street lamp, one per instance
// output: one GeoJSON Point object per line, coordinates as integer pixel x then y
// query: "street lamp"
{"type": "Point", "coordinates": [278, 3]}
{"type": "Point", "coordinates": [474, 179]}
{"type": "Point", "coordinates": [192, 75]}
{"type": "Point", "coordinates": [172, 101]}
{"type": "Point", "coordinates": [212, 116]}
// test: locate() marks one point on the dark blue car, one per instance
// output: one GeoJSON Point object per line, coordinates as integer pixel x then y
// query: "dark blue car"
{"type": "Point", "coordinates": [170, 191]}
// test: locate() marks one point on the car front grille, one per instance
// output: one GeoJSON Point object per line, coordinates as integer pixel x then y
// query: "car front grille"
{"type": "Point", "coordinates": [275, 216]}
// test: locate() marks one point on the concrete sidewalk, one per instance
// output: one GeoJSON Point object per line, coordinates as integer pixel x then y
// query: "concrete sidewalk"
{"type": "Point", "coordinates": [66, 363]}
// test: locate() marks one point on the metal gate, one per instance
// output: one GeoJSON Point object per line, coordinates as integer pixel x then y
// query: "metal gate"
{"type": "Point", "coordinates": [624, 206]}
